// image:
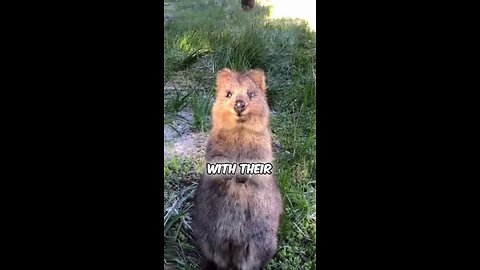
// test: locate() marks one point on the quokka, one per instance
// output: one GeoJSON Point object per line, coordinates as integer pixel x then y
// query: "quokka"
{"type": "Point", "coordinates": [236, 217]}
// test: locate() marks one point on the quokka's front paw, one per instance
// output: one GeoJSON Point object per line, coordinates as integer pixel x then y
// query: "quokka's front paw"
{"type": "Point", "coordinates": [242, 178]}
{"type": "Point", "coordinates": [227, 176]}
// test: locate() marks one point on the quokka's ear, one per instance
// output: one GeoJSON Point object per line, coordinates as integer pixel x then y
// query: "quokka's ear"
{"type": "Point", "coordinates": [223, 76]}
{"type": "Point", "coordinates": [258, 77]}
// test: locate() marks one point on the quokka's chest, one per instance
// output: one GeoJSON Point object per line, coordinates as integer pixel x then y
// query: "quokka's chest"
{"type": "Point", "coordinates": [242, 150]}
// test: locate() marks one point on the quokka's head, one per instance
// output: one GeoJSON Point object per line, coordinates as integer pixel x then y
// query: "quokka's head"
{"type": "Point", "coordinates": [240, 99]}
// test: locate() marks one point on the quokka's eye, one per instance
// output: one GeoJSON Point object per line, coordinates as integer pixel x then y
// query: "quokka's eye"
{"type": "Point", "coordinates": [229, 94]}
{"type": "Point", "coordinates": [251, 94]}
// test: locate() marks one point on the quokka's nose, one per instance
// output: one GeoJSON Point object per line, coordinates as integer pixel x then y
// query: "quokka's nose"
{"type": "Point", "coordinates": [239, 106]}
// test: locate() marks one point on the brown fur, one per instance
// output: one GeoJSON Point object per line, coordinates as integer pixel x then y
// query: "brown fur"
{"type": "Point", "coordinates": [236, 222]}
{"type": "Point", "coordinates": [248, 4]}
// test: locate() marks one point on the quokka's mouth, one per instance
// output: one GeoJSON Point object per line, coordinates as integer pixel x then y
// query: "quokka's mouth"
{"type": "Point", "coordinates": [241, 117]}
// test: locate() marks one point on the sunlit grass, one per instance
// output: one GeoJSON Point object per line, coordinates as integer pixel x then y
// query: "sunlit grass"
{"type": "Point", "coordinates": [299, 9]}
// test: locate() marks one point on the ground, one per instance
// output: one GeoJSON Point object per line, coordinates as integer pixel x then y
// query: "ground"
{"type": "Point", "coordinates": [202, 37]}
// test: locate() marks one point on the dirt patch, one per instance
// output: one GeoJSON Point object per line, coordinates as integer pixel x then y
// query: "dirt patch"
{"type": "Point", "coordinates": [178, 127]}
{"type": "Point", "coordinates": [180, 140]}
{"type": "Point", "coordinates": [190, 145]}
{"type": "Point", "coordinates": [180, 81]}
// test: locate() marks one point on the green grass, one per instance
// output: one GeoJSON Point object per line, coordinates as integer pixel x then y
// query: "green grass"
{"type": "Point", "coordinates": [201, 106]}
{"type": "Point", "coordinates": [206, 36]}
{"type": "Point", "coordinates": [179, 186]}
